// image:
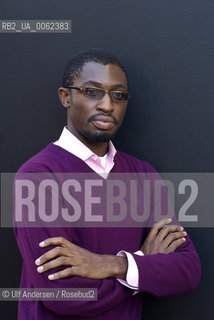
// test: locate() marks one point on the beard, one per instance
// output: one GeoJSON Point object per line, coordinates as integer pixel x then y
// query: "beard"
{"type": "Point", "coordinates": [98, 136]}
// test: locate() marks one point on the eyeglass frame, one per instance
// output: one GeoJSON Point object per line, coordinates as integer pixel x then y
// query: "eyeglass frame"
{"type": "Point", "coordinates": [82, 89]}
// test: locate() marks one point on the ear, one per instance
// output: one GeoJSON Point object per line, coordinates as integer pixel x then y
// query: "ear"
{"type": "Point", "coordinates": [64, 96]}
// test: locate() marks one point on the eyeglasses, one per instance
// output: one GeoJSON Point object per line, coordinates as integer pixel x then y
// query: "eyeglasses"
{"type": "Point", "coordinates": [96, 93]}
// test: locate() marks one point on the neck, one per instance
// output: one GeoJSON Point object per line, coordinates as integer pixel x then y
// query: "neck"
{"type": "Point", "coordinates": [99, 148]}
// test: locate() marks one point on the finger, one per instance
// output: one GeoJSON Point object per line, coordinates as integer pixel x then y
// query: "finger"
{"type": "Point", "coordinates": [175, 244]}
{"type": "Point", "coordinates": [172, 237]}
{"type": "Point", "coordinates": [68, 272]}
{"type": "Point", "coordinates": [156, 227]}
{"type": "Point", "coordinates": [167, 230]}
{"type": "Point", "coordinates": [55, 241]}
{"type": "Point", "coordinates": [58, 262]}
{"type": "Point", "coordinates": [53, 253]}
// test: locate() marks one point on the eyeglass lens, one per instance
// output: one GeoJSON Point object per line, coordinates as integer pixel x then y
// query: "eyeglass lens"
{"type": "Point", "coordinates": [96, 93]}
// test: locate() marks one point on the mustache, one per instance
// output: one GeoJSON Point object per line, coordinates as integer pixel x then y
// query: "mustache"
{"type": "Point", "coordinates": [94, 116]}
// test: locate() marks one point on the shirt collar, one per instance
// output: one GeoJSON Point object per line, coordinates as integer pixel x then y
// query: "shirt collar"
{"type": "Point", "coordinates": [72, 144]}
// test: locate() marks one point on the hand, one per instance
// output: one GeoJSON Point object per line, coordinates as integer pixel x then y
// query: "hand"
{"type": "Point", "coordinates": [81, 262]}
{"type": "Point", "coordinates": [163, 238]}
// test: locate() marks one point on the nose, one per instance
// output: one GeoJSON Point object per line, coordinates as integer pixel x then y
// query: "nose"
{"type": "Point", "coordinates": [105, 104]}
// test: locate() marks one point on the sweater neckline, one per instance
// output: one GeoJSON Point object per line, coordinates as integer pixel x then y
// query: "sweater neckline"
{"type": "Point", "coordinates": [83, 165]}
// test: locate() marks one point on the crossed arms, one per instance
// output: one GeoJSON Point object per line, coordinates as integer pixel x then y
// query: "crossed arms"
{"type": "Point", "coordinates": [170, 266]}
{"type": "Point", "coordinates": [163, 238]}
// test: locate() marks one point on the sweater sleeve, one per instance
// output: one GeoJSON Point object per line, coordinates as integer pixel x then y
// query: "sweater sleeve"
{"type": "Point", "coordinates": [110, 292]}
{"type": "Point", "coordinates": [176, 273]}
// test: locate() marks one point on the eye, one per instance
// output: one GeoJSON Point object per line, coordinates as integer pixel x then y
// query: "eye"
{"type": "Point", "coordinates": [93, 92]}
{"type": "Point", "coordinates": [119, 95]}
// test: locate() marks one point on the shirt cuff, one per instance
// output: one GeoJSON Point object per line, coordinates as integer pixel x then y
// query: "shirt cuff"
{"type": "Point", "coordinates": [132, 275]}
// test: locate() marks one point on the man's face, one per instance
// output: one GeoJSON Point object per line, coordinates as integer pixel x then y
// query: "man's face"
{"type": "Point", "coordinates": [96, 120]}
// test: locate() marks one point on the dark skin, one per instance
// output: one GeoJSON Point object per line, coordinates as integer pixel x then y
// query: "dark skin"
{"type": "Point", "coordinates": [81, 108]}
{"type": "Point", "coordinates": [85, 115]}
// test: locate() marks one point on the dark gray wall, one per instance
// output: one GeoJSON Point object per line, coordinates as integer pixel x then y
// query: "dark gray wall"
{"type": "Point", "coordinates": [167, 47]}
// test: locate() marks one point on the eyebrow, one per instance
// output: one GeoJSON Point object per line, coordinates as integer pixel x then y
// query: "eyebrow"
{"type": "Point", "coordinates": [119, 85]}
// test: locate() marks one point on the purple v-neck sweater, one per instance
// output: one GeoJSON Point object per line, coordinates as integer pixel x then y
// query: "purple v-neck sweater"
{"type": "Point", "coordinates": [160, 275]}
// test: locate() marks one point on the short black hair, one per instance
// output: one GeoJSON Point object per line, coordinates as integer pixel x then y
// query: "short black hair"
{"type": "Point", "coordinates": [75, 64]}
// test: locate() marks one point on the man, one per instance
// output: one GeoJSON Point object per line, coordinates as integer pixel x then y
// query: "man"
{"type": "Point", "coordinates": [121, 263]}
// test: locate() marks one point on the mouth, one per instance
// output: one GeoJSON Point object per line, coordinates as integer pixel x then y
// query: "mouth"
{"type": "Point", "coordinates": [104, 122]}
